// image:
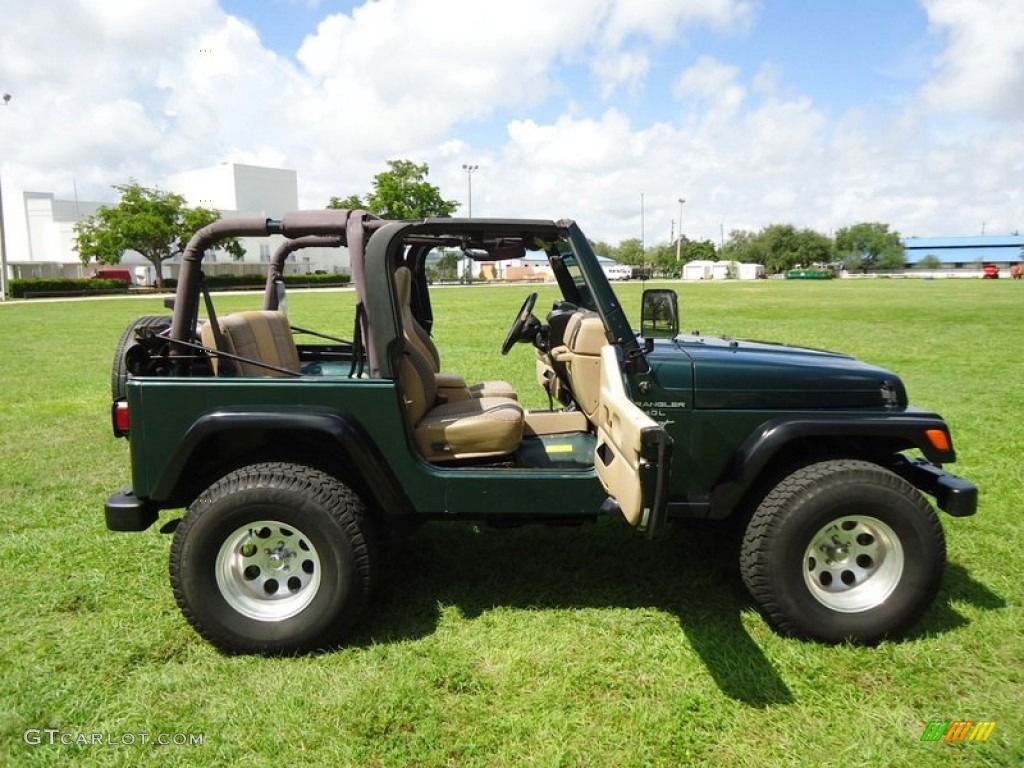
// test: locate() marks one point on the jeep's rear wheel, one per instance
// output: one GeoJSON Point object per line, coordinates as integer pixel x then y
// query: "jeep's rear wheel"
{"type": "Point", "coordinates": [843, 550]}
{"type": "Point", "coordinates": [273, 558]}
{"type": "Point", "coordinates": [119, 369]}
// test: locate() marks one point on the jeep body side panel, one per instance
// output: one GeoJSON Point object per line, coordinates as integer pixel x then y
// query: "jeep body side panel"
{"type": "Point", "coordinates": [335, 431]}
{"type": "Point", "coordinates": [189, 411]}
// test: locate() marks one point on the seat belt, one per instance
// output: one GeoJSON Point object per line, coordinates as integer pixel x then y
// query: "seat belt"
{"type": "Point", "coordinates": [226, 366]}
{"type": "Point", "coordinates": [282, 296]}
{"type": "Point", "coordinates": [356, 369]}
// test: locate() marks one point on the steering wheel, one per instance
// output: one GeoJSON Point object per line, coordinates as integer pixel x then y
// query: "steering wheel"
{"type": "Point", "coordinates": [519, 324]}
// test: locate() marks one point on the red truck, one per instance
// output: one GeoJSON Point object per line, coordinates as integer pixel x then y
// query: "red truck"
{"type": "Point", "coordinates": [114, 274]}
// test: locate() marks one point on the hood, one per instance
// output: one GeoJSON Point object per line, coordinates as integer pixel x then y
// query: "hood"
{"type": "Point", "coordinates": [742, 374]}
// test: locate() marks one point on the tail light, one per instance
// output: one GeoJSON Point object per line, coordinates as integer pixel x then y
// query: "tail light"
{"type": "Point", "coordinates": [119, 418]}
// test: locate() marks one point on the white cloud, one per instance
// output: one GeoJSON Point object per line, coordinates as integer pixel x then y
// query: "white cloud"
{"type": "Point", "coordinates": [627, 69]}
{"type": "Point", "coordinates": [710, 87]}
{"type": "Point", "coordinates": [662, 21]}
{"type": "Point", "coordinates": [552, 100]}
{"type": "Point", "coordinates": [982, 66]}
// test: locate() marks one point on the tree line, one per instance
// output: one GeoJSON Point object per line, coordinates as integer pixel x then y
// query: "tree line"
{"type": "Point", "coordinates": [866, 246]}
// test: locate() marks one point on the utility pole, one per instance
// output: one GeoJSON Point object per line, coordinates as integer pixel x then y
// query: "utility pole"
{"type": "Point", "coordinates": [643, 247]}
{"type": "Point", "coordinates": [679, 240]}
{"type": "Point", "coordinates": [3, 238]}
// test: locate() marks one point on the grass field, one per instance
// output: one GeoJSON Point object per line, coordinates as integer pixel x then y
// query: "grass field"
{"type": "Point", "coordinates": [579, 647]}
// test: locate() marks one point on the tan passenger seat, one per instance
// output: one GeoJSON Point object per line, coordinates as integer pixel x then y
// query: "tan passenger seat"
{"type": "Point", "coordinates": [465, 429]}
{"type": "Point", "coordinates": [416, 335]}
{"type": "Point", "coordinates": [262, 335]}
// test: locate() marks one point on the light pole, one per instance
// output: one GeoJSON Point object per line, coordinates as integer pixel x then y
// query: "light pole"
{"type": "Point", "coordinates": [679, 240]}
{"type": "Point", "coordinates": [469, 184]}
{"type": "Point", "coordinates": [643, 244]}
{"type": "Point", "coordinates": [3, 238]}
{"type": "Point", "coordinates": [469, 190]}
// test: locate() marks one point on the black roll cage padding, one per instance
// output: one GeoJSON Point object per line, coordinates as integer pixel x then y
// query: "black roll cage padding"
{"type": "Point", "coordinates": [186, 297]}
{"type": "Point", "coordinates": [353, 227]}
{"type": "Point", "coordinates": [276, 271]}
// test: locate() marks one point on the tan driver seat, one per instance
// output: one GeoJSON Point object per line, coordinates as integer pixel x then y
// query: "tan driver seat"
{"type": "Point", "coordinates": [465, 429]}
{"type": "Point", "coordinates": [416, 335]}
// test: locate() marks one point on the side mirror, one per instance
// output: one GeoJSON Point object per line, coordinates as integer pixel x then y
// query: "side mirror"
{"type": "Point", "coordinates": [659, 314]}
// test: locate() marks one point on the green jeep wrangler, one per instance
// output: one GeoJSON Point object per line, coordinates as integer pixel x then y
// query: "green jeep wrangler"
{"type": "Point", "coordinates": [292, 457]}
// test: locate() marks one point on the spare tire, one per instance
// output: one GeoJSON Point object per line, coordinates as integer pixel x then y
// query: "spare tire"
{"type": "Point", "coordinates": [154, 324]}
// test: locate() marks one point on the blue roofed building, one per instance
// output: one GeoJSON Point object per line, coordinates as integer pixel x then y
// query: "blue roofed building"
{"type": "Point", "coordinates": [964, 256]}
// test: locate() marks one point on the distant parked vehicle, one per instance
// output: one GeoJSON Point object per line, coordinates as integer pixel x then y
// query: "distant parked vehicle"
{"type": "Point", "coordinates": [124, 275]}
{"type": "Point", "coordinates": [618, 272]}
{"type": "Point", "coordinates": [990, 272]}
{"type": "Point", "coordinates": [810, 274]}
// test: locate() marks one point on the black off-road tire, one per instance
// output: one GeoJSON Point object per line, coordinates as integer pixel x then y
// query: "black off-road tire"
{"type": "Point", "coordinates": [119, 369]}
{"type": "Point", "coordinates": [273, 558]}
{"type": "Point", "coordinates": [843, 550]}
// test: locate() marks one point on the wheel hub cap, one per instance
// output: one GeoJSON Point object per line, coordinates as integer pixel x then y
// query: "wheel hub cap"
{"type": "Point", "coordinates": [267, 570]}
{"type": "Point", "coordinates": [853, 563]}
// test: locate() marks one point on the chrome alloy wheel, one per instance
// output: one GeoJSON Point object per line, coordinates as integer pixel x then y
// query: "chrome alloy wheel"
{"type": "Point", "coordinates": [853, 564]}
{"type": "Point", "coordinates": [268, 571]}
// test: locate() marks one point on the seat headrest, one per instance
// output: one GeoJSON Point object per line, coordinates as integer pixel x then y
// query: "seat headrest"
{"type": "Point", "coordinates": [403, 285]}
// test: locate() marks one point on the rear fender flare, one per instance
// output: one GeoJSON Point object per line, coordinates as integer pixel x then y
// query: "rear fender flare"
{"type": "Point", "coordinates": [354, 444]}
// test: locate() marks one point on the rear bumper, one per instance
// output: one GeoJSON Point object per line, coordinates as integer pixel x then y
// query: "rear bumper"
{"type": "Point", "coordinates": [954, 495]}
{"type": "Point", "coordinates": [127, 512]}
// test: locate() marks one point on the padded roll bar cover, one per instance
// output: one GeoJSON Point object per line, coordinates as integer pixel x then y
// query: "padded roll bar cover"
{"type": "Point", "coordinates": [331, 221]}
{"type": "Point", "coordinates": [186, 297]}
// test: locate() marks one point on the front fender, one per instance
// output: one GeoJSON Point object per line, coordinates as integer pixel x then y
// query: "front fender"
{"type": "Point", "coordinates": [898, 431]}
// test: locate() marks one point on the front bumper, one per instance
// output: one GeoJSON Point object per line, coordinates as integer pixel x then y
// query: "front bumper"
{"type": "Point", "coordinates": [127, 512]}
{"type": "Point", "coordinates": [954, 495]}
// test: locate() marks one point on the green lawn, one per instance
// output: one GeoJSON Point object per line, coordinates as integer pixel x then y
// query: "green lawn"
{"type": "Point", "coordinates": [588, 647]}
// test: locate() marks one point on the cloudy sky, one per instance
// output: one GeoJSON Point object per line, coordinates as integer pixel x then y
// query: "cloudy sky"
{"type": "Point", "coordinates": [819, 113]}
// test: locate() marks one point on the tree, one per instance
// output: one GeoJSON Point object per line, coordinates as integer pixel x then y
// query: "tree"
{"type": "Point", "coordinates": [870, 245]}
{"type": "Point", "coordinates": [601, 248]}
{"type": "Point", "coordinates": [700, 250]}
{"type": "Point", "coordinates": [744, 246]}
{"type": "Point", "coordinates": [350, 203]}
{"type": "Point", "coordinates": [630, 252]}
{"type": "Point", "coordinates": [779, 247]}
{"type": "Point", "coordinates": [448, 266]}
{"type": "Point", "coordinates": [931, 261]}
{"type": "Point", "coordinates": [153, 223]}
{"type": "Point", "coordinates": [401, 192]}
{"type": "Point", "coordinates": [813, 248]}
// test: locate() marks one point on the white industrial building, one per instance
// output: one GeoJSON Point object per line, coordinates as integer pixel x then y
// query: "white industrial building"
{"type": "Point", "coordinates": [721, 270]}
{"type": "Point", "coordinates": [40, 236]}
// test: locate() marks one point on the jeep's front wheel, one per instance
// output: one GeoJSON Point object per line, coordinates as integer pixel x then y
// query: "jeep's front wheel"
{"type": "Point", "coordinates": [273, 558]}
{"type": "Point", "coordinates": [843, 550]}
